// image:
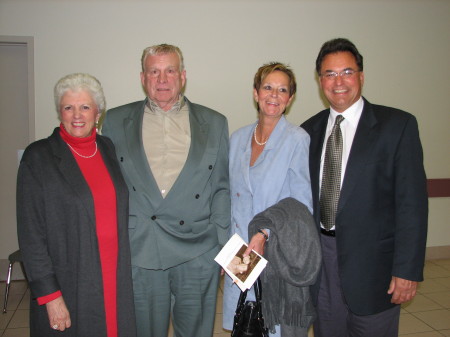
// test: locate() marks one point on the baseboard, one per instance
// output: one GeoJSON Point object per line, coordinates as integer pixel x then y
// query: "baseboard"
{"type": "Point", "coordinates": [437, 253]}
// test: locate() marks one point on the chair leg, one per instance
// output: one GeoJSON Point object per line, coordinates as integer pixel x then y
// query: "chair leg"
{"type": "Point", "coordinates": [8, 283]}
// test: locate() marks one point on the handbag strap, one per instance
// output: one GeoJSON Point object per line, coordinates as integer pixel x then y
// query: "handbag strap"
{"type": "Point", "coordinates": [258, 289]}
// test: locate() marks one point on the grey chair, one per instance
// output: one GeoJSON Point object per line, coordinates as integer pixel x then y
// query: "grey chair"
{"type": "Point", "coordinates": [13, 258]}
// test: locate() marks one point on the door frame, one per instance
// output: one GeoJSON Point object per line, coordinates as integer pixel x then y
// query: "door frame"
{"type": "Point", "coordinates": [28, 42]}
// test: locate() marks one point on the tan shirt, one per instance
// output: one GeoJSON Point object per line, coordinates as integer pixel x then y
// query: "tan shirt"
{"type": "Point", "coordinates": [167, 138]}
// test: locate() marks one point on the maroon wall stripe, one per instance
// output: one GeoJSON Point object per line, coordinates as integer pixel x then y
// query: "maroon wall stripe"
{"type": "Point", "coordinates": [438, 188]}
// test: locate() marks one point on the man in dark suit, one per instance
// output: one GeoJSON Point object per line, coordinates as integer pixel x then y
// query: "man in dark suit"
{"type": "Point", "coordinates": [373, 242]}
{"type": "Point", "coordinates": [174, 157]}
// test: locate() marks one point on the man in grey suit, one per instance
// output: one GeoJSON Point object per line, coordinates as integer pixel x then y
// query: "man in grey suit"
{"type": "Point", "coordinates": [174, 157]}
{"type": "Point", "coordinates": [373, 243]}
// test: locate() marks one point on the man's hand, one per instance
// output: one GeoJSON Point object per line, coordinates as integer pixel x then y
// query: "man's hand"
{"type": "Point", "coordinates": [402, 290]}
{"type": "Point", "coordinates": [58, 315]}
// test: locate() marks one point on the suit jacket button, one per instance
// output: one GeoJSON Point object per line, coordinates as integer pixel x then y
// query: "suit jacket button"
{"type": "Point", "coordinates": [210, 167]}
{"type": "Point", "coordinates": [181, 223]}
{"type": "Point", "coordinates": [153, 217]}
{"type": "Point", "coordinates": [197, 196]}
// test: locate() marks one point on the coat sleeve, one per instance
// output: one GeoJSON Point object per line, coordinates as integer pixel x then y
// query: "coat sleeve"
{"type": "Point", "coordinates": [32, 231]}
{"type": "Point", "coordinates": [411, 211]}
{"type": "Point", "coordinates": [220, 195]}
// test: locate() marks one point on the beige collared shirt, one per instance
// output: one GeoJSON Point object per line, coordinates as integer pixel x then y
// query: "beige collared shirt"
{"type": "Point", "coordinates": [167, 138]}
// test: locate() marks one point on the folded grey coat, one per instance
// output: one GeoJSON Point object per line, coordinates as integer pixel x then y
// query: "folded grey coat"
{"type": "Point", "coordinates": [294, 255]}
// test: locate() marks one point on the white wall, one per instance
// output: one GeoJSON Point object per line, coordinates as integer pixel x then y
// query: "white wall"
{"type": "Point", "coordinates": [405, 44]}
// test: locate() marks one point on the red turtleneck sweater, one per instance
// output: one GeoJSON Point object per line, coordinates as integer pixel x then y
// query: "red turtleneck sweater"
{"type": "Point", "coordinates": [102, 188]}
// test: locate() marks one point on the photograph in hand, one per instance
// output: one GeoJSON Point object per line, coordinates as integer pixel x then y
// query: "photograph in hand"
{"type": "Point", "coordinates": [241, 266]}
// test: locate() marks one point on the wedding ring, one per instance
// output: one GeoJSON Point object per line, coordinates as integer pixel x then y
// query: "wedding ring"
{"type": "Point", "coordinates": [55, 326]}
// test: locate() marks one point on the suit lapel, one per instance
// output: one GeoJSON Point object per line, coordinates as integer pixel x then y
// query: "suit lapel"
{"type": "Point", "coordinates": [138, 159]}
{"type": "Point", "coordinates": [199, 136]}
{"type": "Point", "coordinates": [72, 174]}
{"type": "Point", "coordinates": [317, 140]}
{"type": "Point", "coordinates": [360, 152]}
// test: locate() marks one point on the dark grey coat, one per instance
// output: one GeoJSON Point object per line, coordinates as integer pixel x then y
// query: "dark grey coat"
{"type": "Point", "coordinates": [57, 237]}
{"type": "Point", "coordinates": [294, 261]}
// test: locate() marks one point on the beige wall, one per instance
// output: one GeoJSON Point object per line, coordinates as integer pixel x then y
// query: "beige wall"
{"type": "Point", "coordinates": [405, 45]}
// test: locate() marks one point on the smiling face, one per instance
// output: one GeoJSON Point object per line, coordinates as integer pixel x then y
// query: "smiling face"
{"type": "Point", "coordinates": [273, 94]}
{"type": "Point", "coordinates": [341, 92]}
{"type": "Point", "coordinates": [162, 79]}
{"type": "Point", "coordinates": [78, 113]}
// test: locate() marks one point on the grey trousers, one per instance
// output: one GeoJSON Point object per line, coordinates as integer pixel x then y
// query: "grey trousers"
{"type": "Point", "coordinates": [187, 292]}
{"type": "Point", "coordinates": [334, 319]}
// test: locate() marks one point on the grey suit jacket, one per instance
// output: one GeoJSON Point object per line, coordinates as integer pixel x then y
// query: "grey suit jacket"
{"type": "Point", "coordinates": [381, 221]}
{"type": "Point", "coordinates": [195, 215]}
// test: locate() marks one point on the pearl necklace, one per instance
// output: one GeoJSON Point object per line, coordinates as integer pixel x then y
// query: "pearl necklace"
{"type": "Point", "coordinates": [87, 157]}
{"type": "Point", "coordinates": [254, 136]}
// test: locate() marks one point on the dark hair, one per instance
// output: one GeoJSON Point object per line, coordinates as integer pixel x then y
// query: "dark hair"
{"type": "Point", "coordinates": [336, 46]}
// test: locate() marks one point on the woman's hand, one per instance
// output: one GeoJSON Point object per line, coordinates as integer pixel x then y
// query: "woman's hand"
{"type": "Point", "coordinates": [58, 315]}
{"type": "Point", "coordinates": [257, 244]}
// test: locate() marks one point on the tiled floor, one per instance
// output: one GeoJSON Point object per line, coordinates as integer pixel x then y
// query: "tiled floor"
{"type": "Point", "coordinates": [428, 315]}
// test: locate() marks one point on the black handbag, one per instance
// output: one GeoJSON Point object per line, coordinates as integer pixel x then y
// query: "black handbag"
{"type": "Point", "coordinates": [248, 319]}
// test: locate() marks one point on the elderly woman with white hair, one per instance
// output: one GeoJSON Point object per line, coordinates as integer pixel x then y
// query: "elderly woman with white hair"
{"type": "Point", "coordinates": [72, 213]}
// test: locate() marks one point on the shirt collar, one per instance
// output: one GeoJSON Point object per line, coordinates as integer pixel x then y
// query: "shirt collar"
{"type": "Point", "coordinates": [351, 115]}
{"type": "Point", "coordinates": [153, 107]}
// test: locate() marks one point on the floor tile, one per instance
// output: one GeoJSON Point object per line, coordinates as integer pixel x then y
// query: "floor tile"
{"type": "Point", "coordinates": [25, 302]}
{"type": "Point", "coordinates": [433, 285]}
{"type": "Point", "coordinates": [218, 324]}
{"type": "Point", "coordinates": [21, 319]}
{"type": "Point", "coordinates": [442, 262]}
{"type": "Point", "coordinates": [433, 271]}
{"type": "Point", "coordinates": [428, 315]}
{"type": "Point", "coordinates": [421, 303]}
{"type": "Point", "coordinates": [442, 298]}
{"type": "Point", "coordinates": [437, 319]}
{"type": "Point", "coordinates": [445, 281]}
{"type": "Point", "coordinates": [13, 301]}
{"type": "Point", "coordinates": [424, 334]}
{"type": "Point", "coordinates": [5, 318]}
{"type": "Point", "coordinates": [219, 304]}
{"type": "Point", "coordinates": [410, 324]}
{"type": "Point", "coordinates": [221, 283]}
{"type": "Point", "coordinates": [20, 332]}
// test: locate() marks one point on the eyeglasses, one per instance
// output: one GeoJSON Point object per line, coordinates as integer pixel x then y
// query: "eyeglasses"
{"type": "Point", "coordinates": [331, 75]}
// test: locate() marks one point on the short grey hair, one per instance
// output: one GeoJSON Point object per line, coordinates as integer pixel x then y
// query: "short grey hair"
{"type": "Point", "coordinates": [161, 49]}
{"type": "Point", "coordinates": [80, 81]}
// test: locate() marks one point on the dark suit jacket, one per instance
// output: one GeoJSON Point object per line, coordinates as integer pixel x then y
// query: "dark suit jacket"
{"type": "Point", "coordinates": [381, 222]}
{"type": "Point", "coordinates": [194, 217]}
{"type": "Point", "coordinates": [58, 241]}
